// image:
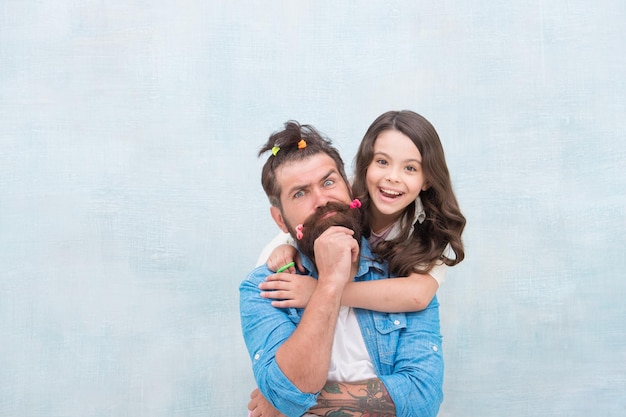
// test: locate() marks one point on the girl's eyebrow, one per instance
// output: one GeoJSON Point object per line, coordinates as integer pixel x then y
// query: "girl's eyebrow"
{"type": "Point", "coordinates": [380, 153]}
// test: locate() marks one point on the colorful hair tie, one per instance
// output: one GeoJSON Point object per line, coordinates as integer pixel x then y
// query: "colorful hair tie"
{"type": "Point", "coordinates": [356, 203]}
{"type": "Point", "coordinates": [275, 150]}
{"type": "Point", "coordinates": [285, 267]}
{"type": "Point", "coordinates": [299, 231]}
{"type": "Point", "coordinates": [302, 144]}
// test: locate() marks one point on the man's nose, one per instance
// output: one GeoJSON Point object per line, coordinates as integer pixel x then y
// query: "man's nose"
{"type": "Point", "coordinates": [321, 199]}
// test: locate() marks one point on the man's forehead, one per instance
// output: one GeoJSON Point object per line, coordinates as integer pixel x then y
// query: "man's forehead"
{"type": "Point", "coordinates": [306, 171]}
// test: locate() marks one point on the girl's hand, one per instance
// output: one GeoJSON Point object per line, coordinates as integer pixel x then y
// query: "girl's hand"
{"type": "Point", "coordinates": [260, 407]}
{"type": "Point", "coordinates": [288, 290]}
{"type": "Point", "coordinates": [283, 255]}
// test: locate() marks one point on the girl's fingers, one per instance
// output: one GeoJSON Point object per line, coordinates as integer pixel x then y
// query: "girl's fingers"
{"type": "Point", "coordinates": [273, 294]}
{"type": "Point", "coordinates": [272, 284]}
{"type": "Point", "coordinates": [281, 276]}
{"type": "Point", "coordinates": [298, 261]}
{"type": "Point", "coordinates": [275, 265]}
{"type": "Point", "coordinates": [282, 304]}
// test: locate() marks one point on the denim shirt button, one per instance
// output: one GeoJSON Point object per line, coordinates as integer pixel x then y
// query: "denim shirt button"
{"type": "Point", "coordinates": [396, 322]}
{"type": "Point", "coordinates": [435, 348]}
{"type": "Point", "coordinates": [257, 356]}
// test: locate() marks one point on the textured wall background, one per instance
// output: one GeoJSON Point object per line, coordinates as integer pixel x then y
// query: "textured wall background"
{"type": "Point", "coordinates": [131, 206]}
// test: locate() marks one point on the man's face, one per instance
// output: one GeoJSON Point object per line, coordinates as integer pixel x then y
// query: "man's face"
{"type": "Point", "coordinates": [306, 185]}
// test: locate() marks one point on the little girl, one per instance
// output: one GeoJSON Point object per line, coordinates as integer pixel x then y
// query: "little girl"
{"type": "Point", "coordinates": [411, 218]}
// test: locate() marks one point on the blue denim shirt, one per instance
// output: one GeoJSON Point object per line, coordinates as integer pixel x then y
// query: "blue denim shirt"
{"type": "Point", "coordinates": [405, 348]}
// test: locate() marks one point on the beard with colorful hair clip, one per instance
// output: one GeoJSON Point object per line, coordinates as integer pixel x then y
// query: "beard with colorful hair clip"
{"type": "Point", "coordinates": [332, 214]}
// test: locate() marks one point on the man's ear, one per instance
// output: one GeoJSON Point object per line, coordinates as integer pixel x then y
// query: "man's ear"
{"type": "Point", "coordinates": [278, 218]}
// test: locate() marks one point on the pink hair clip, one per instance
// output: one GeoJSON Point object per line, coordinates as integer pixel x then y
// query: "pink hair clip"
{"type": "Point", "coordinates": [302, 144]}
{"type": "Point", "coordinates": [356, 203]}
{"type": "Point", "coordinates": [299, 231]}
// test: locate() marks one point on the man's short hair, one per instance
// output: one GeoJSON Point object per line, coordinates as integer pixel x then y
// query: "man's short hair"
{"type": "Point", "coordinates": [294, 143]}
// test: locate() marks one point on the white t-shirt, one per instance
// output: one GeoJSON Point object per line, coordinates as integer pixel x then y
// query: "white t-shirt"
{"type": "Point", "coordinates": [349, 360]}
{"type": "Point", "coordinates": [280, 239]}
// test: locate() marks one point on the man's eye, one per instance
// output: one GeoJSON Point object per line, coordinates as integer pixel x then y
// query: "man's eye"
{"type": "Point", "coordinates": [298, 194]}
{"type": "Point", "coordinates": [328, 183]}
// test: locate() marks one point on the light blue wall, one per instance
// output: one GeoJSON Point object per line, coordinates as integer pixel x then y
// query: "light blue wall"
{"type": "Point", "coordinates": [131, 207]}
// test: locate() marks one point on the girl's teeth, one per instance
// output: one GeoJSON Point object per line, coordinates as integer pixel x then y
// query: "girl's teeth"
{"type": "Point", "coordinates": [389, 192]}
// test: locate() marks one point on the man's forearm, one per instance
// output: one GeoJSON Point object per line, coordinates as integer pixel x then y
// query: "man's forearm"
{"type": "Point", "coordinates": [304, 358]}
{"type": "Point", "coordinates": [362, 398]}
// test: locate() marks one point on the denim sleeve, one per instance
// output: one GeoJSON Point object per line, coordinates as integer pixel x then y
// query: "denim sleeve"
{"type": "Point", "coordinates": [416, 381]}
{"type": "Point", "coordinates": [265, 329]}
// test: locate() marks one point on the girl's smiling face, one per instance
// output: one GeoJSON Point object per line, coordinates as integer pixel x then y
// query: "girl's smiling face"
{"type": "Point", "coordinates": [394, 177]}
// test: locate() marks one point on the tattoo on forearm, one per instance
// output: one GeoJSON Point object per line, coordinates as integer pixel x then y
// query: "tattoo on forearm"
{"type": "Point", "coordinates": [365, 399]}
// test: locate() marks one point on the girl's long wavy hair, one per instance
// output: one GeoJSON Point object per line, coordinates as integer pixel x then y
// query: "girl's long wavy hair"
{"type": "Point", "coordinates": [444, 221]}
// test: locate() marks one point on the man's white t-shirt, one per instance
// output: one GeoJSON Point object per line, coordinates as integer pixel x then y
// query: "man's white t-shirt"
{"type": "Point", "coordinates": [349, 360]}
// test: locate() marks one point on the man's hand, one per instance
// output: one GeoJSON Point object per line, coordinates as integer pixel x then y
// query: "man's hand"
{"type": "Point", "coordinates": [260, 407]}
{"type": "Point", "coordinates": [335, 252]}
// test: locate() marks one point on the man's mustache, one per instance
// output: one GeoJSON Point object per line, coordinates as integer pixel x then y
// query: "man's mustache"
{"type": "Point", "coordinates": [321, 215]}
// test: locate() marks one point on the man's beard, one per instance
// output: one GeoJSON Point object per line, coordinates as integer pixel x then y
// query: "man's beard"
{"type": "Point", "coordinates": [315, 225]}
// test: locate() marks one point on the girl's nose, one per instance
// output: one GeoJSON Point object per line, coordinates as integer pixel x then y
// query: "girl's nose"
{"type": "Point", "coordinates": [392, 177]}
